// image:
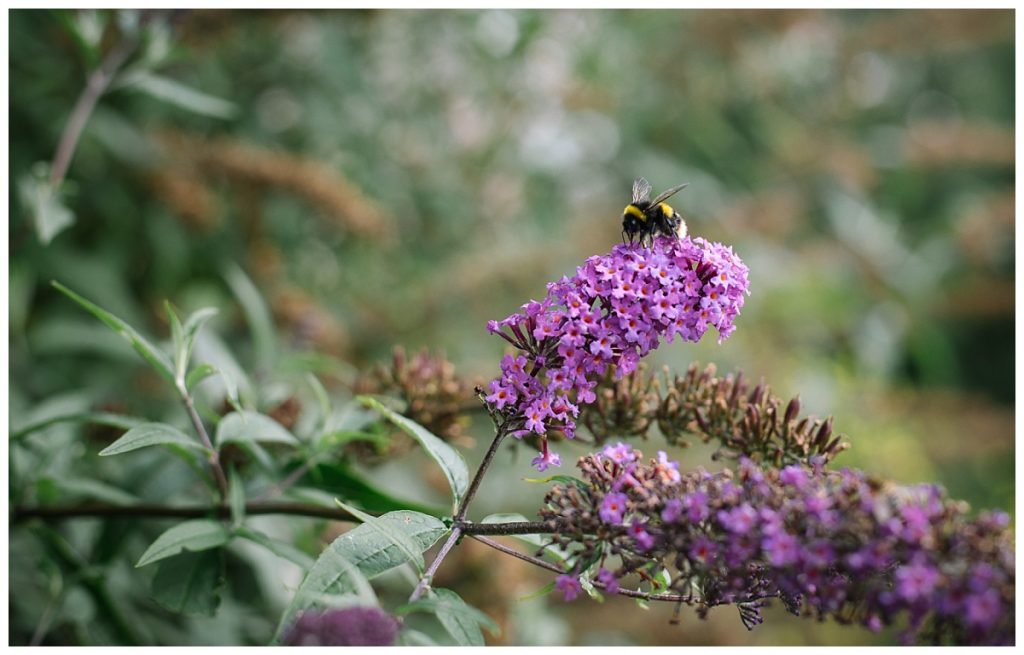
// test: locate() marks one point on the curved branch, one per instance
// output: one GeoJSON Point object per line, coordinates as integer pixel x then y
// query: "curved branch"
{"type": "Point", "coordinates": [95, 86]}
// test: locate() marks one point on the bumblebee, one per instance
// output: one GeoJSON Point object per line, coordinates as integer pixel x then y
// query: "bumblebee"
{"type": "Point", "coordinates": [644, 218]}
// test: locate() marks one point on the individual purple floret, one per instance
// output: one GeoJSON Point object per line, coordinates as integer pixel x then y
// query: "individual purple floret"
{"type": "Point", "coordinates": [569, 586]}
{"type": "Point", "coordinates": [611, 313]}
{"type": "Point", "coordinates": [612, 508]}
{"type": "Point", "coordinates": [352, 626]}
{"type": "Point", "coordinates": [546, 458]}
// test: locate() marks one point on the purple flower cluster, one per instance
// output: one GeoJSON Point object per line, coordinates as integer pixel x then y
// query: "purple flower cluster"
{"type": "Point", "coordinates": [615, 310]}
{"type": "Point", "coordinates": [352, 626]}
{"type": "Point", "coordinates": [825, 543]}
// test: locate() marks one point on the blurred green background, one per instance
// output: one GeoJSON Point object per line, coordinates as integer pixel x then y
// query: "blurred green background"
{"type": "Point", "coordinates": [399, 177]}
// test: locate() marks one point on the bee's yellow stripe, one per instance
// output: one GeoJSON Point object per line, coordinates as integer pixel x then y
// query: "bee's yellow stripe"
{"type": "Point", "coordinates": [666, 210]}
{"type": "Point", "coordinates": [635, 212]}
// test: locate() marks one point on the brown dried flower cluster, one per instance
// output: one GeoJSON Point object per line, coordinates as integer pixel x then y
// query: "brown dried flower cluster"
{"type": "Point", "coordinates": [434, 396]}
{"type": "Point", "coordinates": [746, 422]}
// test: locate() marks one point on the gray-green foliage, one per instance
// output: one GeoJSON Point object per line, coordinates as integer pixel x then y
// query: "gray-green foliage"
{"type": "Point", "coordinates": [462, 622]}
{"type": "Point", "coordinates": [449, 459]}
{"type": "Point", "coordinates": [190, 558]}
{"type": "Point", "coordinates": [364, 552]}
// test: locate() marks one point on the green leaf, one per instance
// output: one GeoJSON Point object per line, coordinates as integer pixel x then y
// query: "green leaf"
{"type": "Point", "coordinates": [331, 441]}
{"type": "Point", "coordinates": [397, 537]}
{"type": "Point", "coordinates": [184, 337]}
{"type": "Point", "coordinates": [150, 434]}
{"type": "Point", "coordinates": [339, 480]}
{"type": "Point", "coordinates": [63, 335]}
{"type": "Point", "coordinates": [99, 418]}
{"type": "Point", "coordinates": [153, 356]}
{"type": "Point", "coordinates": [176, 93]}
{"type": "Point", "coordinates": [410, 637]}
{"type": "Point", "coordinates": [237, 389]}
{"type": "Point", "coordinates": [198, 374]}
{"type": "Point", "coordinates": [86, 27]}
{"type": "Point", "coordinates": [276, 546]}
{"type": "Point", "coordinates": [368, 551]}
{"type": "Point", "coordinates": [190, 583]}
{"type": "Point", "coordinates": [94, 490]}
{"type": "Point", "coordinates": [564, 479]}
{"type": "Point", "coordinates": [177, 336]}
{"type": "Point", "coordinates": [252, 427]}
{"type": "Point", "coordinates": [353, 577]}
{"type": "Point", "coordinates": [49, 214]}
{"type": "Point", "coordinates": [313, 362]}
{"type": "Point", "coordinates": [449, 459]}
{"type": "Point", "coordinates": [460, 620]}
{"type": "Point", "coordinates": [256, 313]}
{"type": "Point", "coordinates": [231, 390]}
{"type": "Point", "coordinates": [125, 140]}
{"type": "Point", "coordinates": [322, 399]}
{"type": "Point", "coordinates": [192, 326]}
{"type": "Point", "coordinates": [543, 591]}
{"type": "Point", "coordinates": [588, 586]}
{"type": "Point", "coordinates": [23, 417]}
{"type": "Point", "coordinates": [197, 535]}
{"type": "Point", "coordinates": [236, 496]}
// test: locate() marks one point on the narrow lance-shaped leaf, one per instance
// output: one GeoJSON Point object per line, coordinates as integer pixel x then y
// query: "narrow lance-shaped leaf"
{"type": "Point", "coordinates": [150, 434]}
{"type": "Point", "coordinates": [153, 356]}
{"type": "Point", "coordinates": [279, 548]}
{"type": "Point", "coordinates": [462, 621]}
{"type": "Point", "coordinates": [245, 426]}
{"type": "Point", "coordinates": [355, 578]}
{"type": "Point", "coordinates": [339, 480]}
{"type": "Point", "coordinates": [198, 374]}
{"type": "Point", "coordinates": [192, 326]}
{"type": "Point", "coordinates": [94, 490]}
{"type": "Point", "coordinates": [543, 591]}
{"type": "Point", "coordinates": [256, 313]}
{"type": "Point", "coordinates": [176, 93]}
{"type": "Point", "coordinates": [98, 418]}
{"type": "Point", "coordinates": [397, 537]}
{"type": "Point", "coordinates": [190, 583]}
{"type": "Point", "coordinates": [211, 350]}
{"type": "Point", "coordinates": [201, 534]}
{"type": "Point", "coordinates": [369, 551]}
{"type": "Point", "coordinates": [184, 337]}
{"type": "Point", "coordinates": [178, 339]}
{"type": "Point", "coordinates": [451, 462]}
{"type": "Point", "coordinates": [323, 400]}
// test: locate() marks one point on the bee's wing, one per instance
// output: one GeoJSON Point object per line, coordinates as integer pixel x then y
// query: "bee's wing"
{"type": "Point", "coordinates": [665, 195]}
{"type": "Point", "coordinates": [641, 190]}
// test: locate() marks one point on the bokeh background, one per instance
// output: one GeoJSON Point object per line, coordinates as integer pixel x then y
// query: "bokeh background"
{"type": "Point", "coordinates": [398, 177]}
